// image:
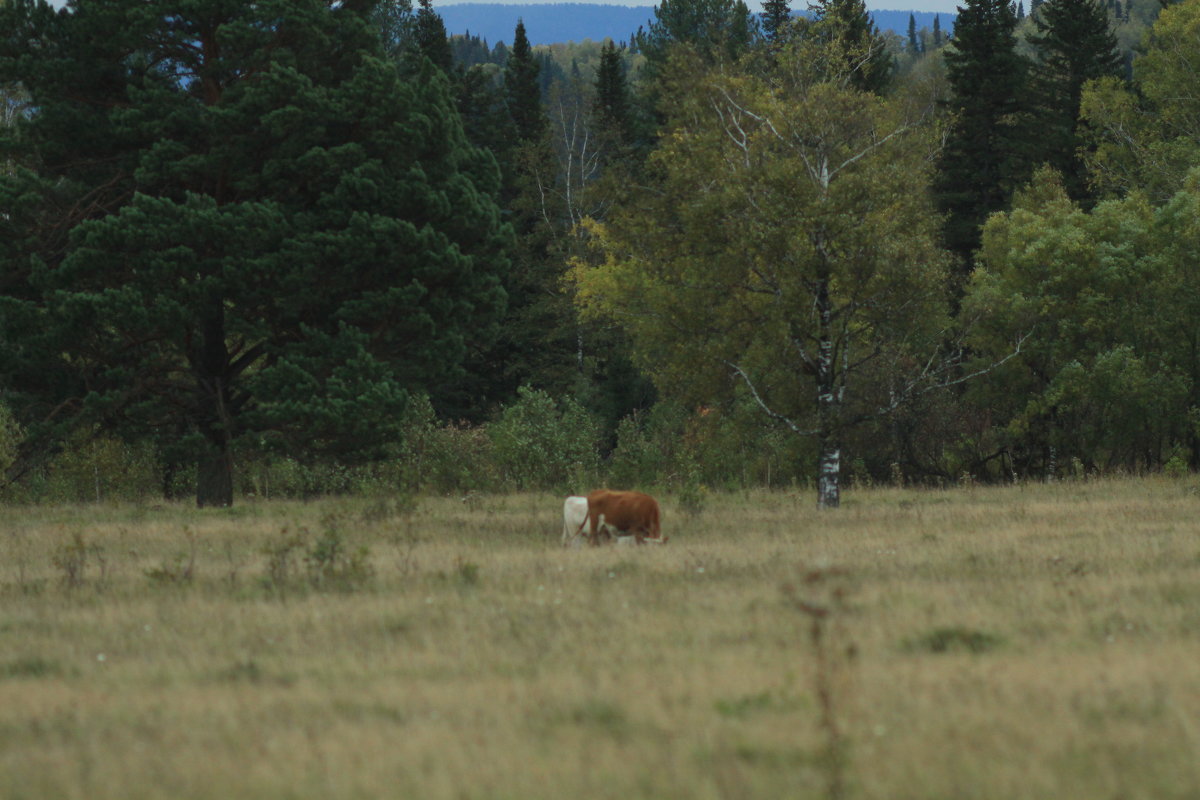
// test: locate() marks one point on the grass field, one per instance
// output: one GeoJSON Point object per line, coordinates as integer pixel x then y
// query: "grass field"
{"type": "Point", "coordinates": [1019, 642]}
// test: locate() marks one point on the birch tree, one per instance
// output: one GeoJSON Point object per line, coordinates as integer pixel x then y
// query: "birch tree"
{"type": "Point", "coordinates": [783, 246]}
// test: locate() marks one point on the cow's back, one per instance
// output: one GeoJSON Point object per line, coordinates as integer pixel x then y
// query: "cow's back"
{"type": "Point", "coordinates": [635, 513]}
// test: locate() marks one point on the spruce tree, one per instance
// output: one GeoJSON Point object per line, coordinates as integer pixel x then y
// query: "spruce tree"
{"type": "Point", "coordinates": [775, 17]}
{"type": "Point", "coordinates": [522, 88]}
{"type": "Point", "coordinates": [1075, 45]}
{"type": "Point", "coordinates": [611, 104]}
{"type": "Point", "coordinates": [986, 152]}
{"type": "Point", "coordinates": [236, 226]}
{"type": "Point", "coordinates": [914, 44]}
{"type": "Point", "coordinates": [716, 29]}
{"type": "Point", "coordinates": [937, 31]}
{"type": "Point", "coordinates": [865, 48]}
{"type": "Point", "coordinates": [431, 39]}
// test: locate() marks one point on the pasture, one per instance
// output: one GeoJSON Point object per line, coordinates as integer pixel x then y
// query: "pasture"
{"type": "Point", "coordinates": [1016, 642]}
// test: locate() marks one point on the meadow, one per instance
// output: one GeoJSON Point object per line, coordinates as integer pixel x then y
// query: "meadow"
{"type": "Point", "coordinates": [1036, 641]}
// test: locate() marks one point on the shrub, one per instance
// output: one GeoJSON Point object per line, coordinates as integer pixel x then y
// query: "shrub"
{"type": "Point", "coordinates": [540, 444]}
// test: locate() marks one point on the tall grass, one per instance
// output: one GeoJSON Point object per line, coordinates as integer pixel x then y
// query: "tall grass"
{"type": "Point", "coordinates": [1020, 642]}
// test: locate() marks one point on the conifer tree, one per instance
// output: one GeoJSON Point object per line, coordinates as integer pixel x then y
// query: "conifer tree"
{"type": "Point", "coordinates": [986, 152]}
{"type": "Point", "coordinates": [868, 62]}
{"type": "Point", "coordinates": [236, 225]}
{"type": "Point", "coordinates": [1075, 45]}
{"type": "Point", "coordinates": [522, 88]}
{"type": "Point", "coordinates": [431, 39]}
{"type": "Point", "coordinates": [775, 17]}
{"type": "Point", "coordinates": [914, 45]}
{"type": "Point", "coordinates": [717, 29]}
{"type": "Point", "coordinates": [611, 104]}
{"type": "Point", "coordinates": [937, 30]}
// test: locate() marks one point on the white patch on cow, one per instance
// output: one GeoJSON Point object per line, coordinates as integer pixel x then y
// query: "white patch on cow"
{"type": "Point", "coordinates": [575, 514]}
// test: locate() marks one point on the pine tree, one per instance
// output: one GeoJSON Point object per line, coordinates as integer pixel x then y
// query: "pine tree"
{"type": "Point", "coordinates": [717, 29]}
{"type": "Point", "coordinates": [431, 39]}
{"type": "Point", "coordinates": [1075, 45]}
{"type": "Point", "coordinates": [865, 48]}
{"type": "Point", "coordinates": [937, 30]}
{"type": "Point", "coordinates": [985, 156]}
{"type": "Point", "coordinates": [1020, 10]}
{"type": "Point", "coordinates": [522, 88]}
{"type": "Point", "coordinates": [914, 44]}
{"type": "Point", "coordinates": [775, 18]}
{"type": "Point", "coordinates": [270, 247]}
{"type": "Point", "coordinates": [611, 104]}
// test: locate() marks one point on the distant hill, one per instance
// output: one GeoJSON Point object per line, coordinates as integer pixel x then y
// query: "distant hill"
{"type": "Point", "coordinates": [574, 22]}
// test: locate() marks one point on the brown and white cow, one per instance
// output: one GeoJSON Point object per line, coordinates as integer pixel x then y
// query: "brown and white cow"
{"type": "Point", "coordinates": [629, 513]}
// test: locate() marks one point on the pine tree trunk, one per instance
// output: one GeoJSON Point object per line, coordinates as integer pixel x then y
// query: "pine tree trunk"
{"type": "Point", "coordinates": [214, 477]}
{"type": "Point", "coordinates": [214, 466]}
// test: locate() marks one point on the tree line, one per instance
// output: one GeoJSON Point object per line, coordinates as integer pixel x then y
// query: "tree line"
{"type": "Point", "coordinates": [766, 247]}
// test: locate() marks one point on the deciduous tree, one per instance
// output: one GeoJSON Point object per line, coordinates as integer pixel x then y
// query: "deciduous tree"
{"type": "Point", "coordinates": [779, 247]}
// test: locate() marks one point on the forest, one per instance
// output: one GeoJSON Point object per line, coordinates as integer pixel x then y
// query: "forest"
{"type": "Point", "coordinates": [304, 247]}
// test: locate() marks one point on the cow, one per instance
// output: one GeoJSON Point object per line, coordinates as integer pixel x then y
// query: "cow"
{"type": "Point", "coordinates": [628, 513]}
{"type": "Point", "coordinates": [575, 514]}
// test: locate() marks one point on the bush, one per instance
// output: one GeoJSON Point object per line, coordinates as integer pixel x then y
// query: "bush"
{"type": "Point", "coordinates": [540, 444]}
{"type": "Point", "coordinates": [94, 469]}
{"type": "Point", "coordinates": [10, 438]}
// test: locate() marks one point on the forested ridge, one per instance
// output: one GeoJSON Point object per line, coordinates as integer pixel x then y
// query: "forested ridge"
{"type": "Point", "coordinates": [558, 23]}
{"type": "Point", "coordinates": [302, 246]}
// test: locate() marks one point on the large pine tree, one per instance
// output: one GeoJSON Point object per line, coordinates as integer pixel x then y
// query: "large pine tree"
{"type": "Point", "coordinates": [234, 225]}
{"type": "Point", "coordinates": [522, 89]}
{"type": "Point", "coordinates": [1075, 45]}
{"type": "Point", "coordinates": [986, 152]}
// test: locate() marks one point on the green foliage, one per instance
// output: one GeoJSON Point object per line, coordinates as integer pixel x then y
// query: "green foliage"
{"type": "Point", "coordinates": [284, 246]}
{"type": "Point", "coordinates": [945, 640]}
{"type": "Point", "coordinates": [985, 156]}
{"type": "Point", "coordinates": [867, 61]}
{"type": "Point", "coordinates": [715, 30]}
{"type": "Point", "coordinates": [93, 468]}
{"type": "Point", "coordinates": [331, 563]}
{"type": "Point", "coordinates": [776, 206]}
{"type": "Point", "coordinates": [11, 435]}
{"type": "Point", "coordinates": [30, 667]}
{"type": "Point", "coordinates": [1094, 379]}
{"type": "Point", "coordinates": [71, 558]}
{"type": "Point", "coordinates": [1146, 136]}
{"type": "Point", "coordinates": [1075, 44]}
{"type": "Point", "coordinates": [522, 90]}
{"type": "Point", "coordinates": [540, 444]}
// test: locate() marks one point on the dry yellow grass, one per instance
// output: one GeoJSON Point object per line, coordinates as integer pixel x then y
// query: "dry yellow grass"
{"type": "Point", "coordinates": [1024, 642]}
